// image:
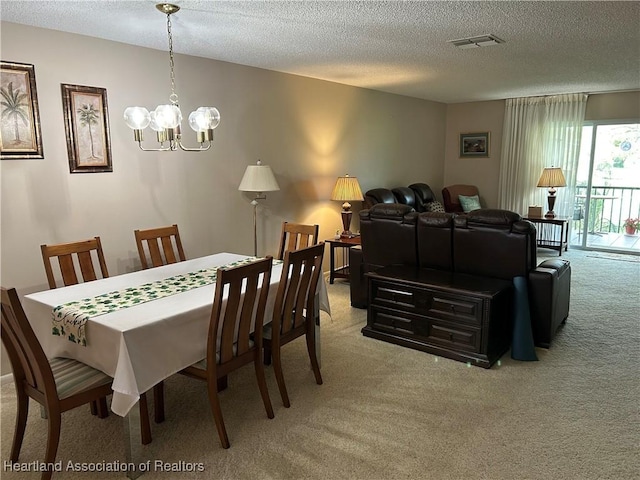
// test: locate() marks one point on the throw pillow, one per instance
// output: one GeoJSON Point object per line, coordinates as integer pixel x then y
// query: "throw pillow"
{"type": "Point", "coordinates": [469, 203]}
{"type": "Point", "coordinates": [434, 207]}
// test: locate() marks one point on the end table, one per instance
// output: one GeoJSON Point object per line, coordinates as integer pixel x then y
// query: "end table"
{"type": "Point", "coordinates": [548, 235]}
{"type": "Point", "coordinates": [344, 246]}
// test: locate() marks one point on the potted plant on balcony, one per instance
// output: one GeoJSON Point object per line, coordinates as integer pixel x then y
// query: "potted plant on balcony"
{"type": "Point", "coordinates": [631, 225]}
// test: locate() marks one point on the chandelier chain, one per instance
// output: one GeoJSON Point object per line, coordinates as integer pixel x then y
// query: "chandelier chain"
{"type": "Point", "coordinates": [173, 97]}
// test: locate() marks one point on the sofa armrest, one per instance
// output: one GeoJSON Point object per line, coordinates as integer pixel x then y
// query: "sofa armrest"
{"type": "Point", "coordinates": [549, 296]}
{"type": "Point", "coordinates": [357, 281]}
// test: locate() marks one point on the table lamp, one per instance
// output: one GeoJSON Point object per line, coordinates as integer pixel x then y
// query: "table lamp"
{"type": "Point", "coordinates": [259, 179]}
{"type": "Point", "coordinates": [347, 189]}
{"type": "Point", "coordinates": [552, 177]}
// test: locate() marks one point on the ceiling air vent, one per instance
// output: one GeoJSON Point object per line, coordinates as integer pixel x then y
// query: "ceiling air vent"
{"type": "Point", "coordinates": [475, 42]}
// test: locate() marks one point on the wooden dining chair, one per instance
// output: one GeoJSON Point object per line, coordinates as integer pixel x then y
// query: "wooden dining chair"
{"type": "Point", "coordinates": [295, 236]}
{"type": "Point", "coordinates": [248, 287]}
{"type": "Point", "coordinates": [69, 256]}
{"type": "Point", "coordinates": [163, 244]}
{"type": "Point", "coordinates": [294, 311]}
{"type": "Point", "coordinates": [82, 253]}
{"type": "Point", "coordinates": [58, 384]}
{"type": "Point", "coordinates": [164, 247]}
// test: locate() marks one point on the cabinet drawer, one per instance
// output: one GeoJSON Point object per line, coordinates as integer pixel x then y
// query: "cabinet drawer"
{"type": "Point", "coordinates": [392, 322]}
{"type": "Point", "coordinates": [451, 336]}
{"type": "Point", "coordinates": [454, 308]}
{"type": "Point", "coordinates": [420, 301]}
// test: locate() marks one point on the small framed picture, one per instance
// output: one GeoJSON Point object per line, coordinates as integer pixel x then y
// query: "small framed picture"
{"type": "Point", "coordinates": [474, 144]}
{"type": "Point", "coordinates": [20, 136]}
{"type": "Point", "coordinates": [86, 122]}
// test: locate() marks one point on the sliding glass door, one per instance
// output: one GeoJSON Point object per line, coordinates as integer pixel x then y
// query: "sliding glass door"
{"type": "Point", "coordinates": [607, 187]}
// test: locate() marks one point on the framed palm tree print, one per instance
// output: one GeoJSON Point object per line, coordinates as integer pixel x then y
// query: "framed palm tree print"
{"type": "Point", "coordinates": [86, 121]}
{"type": "Point", "coordinates": [20, 136]}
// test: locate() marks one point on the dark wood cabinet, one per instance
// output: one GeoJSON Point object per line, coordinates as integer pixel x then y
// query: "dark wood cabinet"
{"type": "Point", "coordinates": [457, 316]}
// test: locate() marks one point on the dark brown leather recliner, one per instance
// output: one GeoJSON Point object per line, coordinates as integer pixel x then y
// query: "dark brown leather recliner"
{"type": "Point", "coordinates": [486, 242]}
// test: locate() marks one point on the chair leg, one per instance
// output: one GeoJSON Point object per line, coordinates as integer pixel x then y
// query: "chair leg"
{"type": "Point", "coordinates": [311, 348]}
{"type": "Point", "coordinates": [214, 402]}
{"type": "Point", "coordinates": [102, 409]}
{"type": "Point", "coordinates": [262, 384]}
{"type": "Point", "coordinates": [145, 426]}
{"type": "Point", "coordinates": [53, 438]}
{"type": "Point", "coordinates": [158, 402]}
{"type": "Point", "coordinates": [21, 424]}
{"type": "Point", "coordinates": [266, 347]}
{"type": "Point", "coordinates": [223, 383]}
{"type": "Point", "coordinates": [277, 368]}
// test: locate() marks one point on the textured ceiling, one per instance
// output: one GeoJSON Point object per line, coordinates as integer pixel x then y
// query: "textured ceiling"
{"type": "Point", "coordinates": [398, 47]}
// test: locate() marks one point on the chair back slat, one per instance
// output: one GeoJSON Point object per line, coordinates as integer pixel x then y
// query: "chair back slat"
{"type": "Point", "coordinates": [296, 292]}
{"type": "Point", "coordinates": [68, 270]}
{"type": "Point", "coordinates": [163, 243]}
{"type": "Point", "coordinates": [243, 308]}
{"type": "Point", "coordinates": [167, 248]}
{"type": "Point", "coordinates": [154, 252]}
{"type": "Point", "coordinates": [82, 253]}
{"type": "Point", "coordinates": [86, 266]}
{"type": "Point", "coordinates": [246, 315]}
{"type": "Point", "coordinates": [296, 236]}
{"type": "Point", "coordinates": [28, 361]}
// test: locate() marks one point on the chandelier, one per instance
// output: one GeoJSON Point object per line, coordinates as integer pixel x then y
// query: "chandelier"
{"type": "Point", "coordinates": [166, 119]}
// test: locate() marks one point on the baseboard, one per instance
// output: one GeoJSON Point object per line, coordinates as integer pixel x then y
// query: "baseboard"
{"type": "Point", "coordinates": [7, 378]}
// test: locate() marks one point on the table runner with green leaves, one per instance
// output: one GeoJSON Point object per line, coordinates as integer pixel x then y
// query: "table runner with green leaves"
{"type": "Point", "coordinates": [70, 319]}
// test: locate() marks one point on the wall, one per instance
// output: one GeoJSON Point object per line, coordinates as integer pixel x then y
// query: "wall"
{"type": "Point", "coordinates": [309, 132]}
{"type": "Point", "coordinates": [483, 172]}
{"type": "Point", "coordinates": [489, 117]}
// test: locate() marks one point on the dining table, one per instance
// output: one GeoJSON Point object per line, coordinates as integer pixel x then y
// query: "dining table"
{"type": "Point", "coordinates": [159, 329]}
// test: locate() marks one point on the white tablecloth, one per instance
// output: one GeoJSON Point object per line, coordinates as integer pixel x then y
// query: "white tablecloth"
{"type": "Point", "coordinates": [141, 345]}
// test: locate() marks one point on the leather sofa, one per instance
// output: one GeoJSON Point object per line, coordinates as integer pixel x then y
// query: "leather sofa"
{"type": "Point", "coordinates": [486, 242]}
{"type": "Point", "coordinates": [416, 195]}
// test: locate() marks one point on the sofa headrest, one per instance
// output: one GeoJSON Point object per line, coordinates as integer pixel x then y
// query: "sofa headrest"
{"type": "Point", "coordinates": [381, 195]}
{"type": "Point", "coordinates": [436, 219]}
{"type": "Point", "coordinates": [405, 196]}
{"type": "Point", "coordinates": [489, 217]}
{"type": "Point", "coordinates": [388, 211]}
{"type": "Point", "coordinates": [423, 193]}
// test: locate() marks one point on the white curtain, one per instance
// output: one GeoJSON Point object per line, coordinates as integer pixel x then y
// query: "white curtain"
{"type": "Point", "coordinates": [540, 132]}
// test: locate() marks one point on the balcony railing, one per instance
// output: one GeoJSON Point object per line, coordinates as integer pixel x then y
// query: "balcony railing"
{"type": "Point", "coordinates": [604, 208]}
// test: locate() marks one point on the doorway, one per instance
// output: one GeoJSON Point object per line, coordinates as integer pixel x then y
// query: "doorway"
{"type": "Point", "coordinates": [607, 187]}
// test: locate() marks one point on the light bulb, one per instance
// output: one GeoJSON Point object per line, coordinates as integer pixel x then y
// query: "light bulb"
{"type": "Point", "coordinates": [204, 118]}
{"type": "Point", "coordinates": [168, 116]}
{"type": "Point", "coordinates": [137, 118]}
{"type": "Point", "coordinates": [154, 123]}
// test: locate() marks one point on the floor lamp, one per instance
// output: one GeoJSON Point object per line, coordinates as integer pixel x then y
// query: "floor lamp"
{"type": "Point", "coordinates": [259, 179]}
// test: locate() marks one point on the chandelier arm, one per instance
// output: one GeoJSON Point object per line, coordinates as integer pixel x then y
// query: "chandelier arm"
{"type": "Point", "coordinates": [162, 149]}
{"type": "Point", "coordinates": [188, 149]}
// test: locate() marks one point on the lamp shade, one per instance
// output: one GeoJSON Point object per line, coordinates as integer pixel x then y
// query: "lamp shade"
{"type": "Point", "coordinates": [347, 189]}
{"type": "Point", "coordinates": [258, 178]}
{"type": "Point", "coordinates": [552, 177]}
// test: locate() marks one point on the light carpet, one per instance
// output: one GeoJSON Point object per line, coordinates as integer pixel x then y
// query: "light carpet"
{"type": "Point", "coordinates": [387, 412]}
